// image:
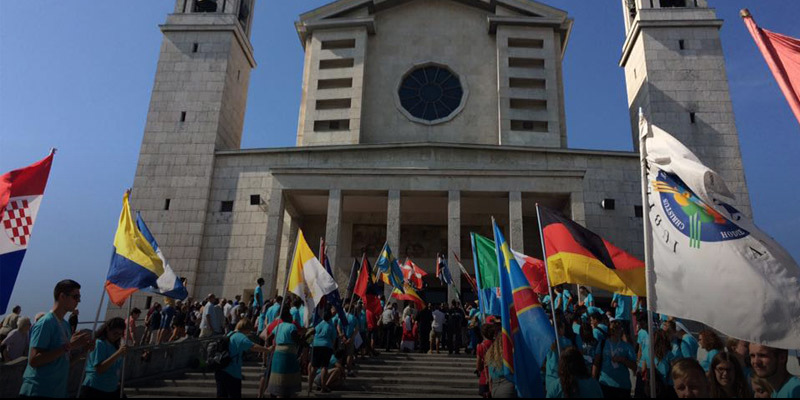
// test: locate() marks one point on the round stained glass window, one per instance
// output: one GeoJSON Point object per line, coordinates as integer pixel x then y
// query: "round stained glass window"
{"type": "Point", "coordinates": [431, 94]}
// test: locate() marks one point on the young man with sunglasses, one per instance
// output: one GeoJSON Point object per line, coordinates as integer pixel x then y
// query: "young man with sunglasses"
{"type": "Point", "coordinates": [51, 343]}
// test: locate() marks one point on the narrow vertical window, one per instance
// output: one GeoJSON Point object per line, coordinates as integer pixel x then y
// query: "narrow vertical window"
{"type": "Point", "coordinates": [682, 44]}
{"type": "Point", "coordinates": [195, 47]}
{"type": "Point", "coordinates": [693, 117]}
{"type": "Point", "coordinates": [166, 204]}
{"type": "Point", "coordinates": [183, 116]}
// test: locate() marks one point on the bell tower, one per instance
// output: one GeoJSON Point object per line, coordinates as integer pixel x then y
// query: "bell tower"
{"type": "Point", "coordinates": [197, 108]}
{"type": "Point", "coordinates": [675, 71]}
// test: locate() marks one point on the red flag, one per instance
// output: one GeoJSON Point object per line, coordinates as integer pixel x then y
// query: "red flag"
{"type": "Point", "coordinates": [367, 290]}
{"type": "Point", "coordinates": [413, 274]}
{"type": "Point", "coordinates": [782, 54]}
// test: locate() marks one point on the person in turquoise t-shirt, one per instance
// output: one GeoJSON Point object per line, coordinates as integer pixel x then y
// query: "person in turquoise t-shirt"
{"type": "Point", "coordinates": [615, 359]}
{"type": "Point", "coordinates": [322, 350]}
{"type": "Point", "coordinates": [297, 312]}
{"type": "Point", "coordinates": [258, 295]}
{"type": "Point", "coordinates": [575, 376]}
{"type": "Point", "coordinates": [273, 311]}
{"type": "Point", "coordinates": [347, 336]}
{"type": "Point", "coordinates": [229, 379]}
{"type": "Point", "coordinates": [104, 363]}
{"type": "Point", "coordinates": [551, 361]}
{"type": "Point", "coordinates": [51, 344]}
{"type": "Point", "coordinates": [712, 344]}
{"type": "Point", "coordinates": [623, 311]}
{"type": "Point", "coordinates": [770, 364]}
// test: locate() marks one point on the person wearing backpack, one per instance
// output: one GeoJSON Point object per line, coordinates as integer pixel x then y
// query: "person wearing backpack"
{"type": "Point", "coordinates": [228, 372]}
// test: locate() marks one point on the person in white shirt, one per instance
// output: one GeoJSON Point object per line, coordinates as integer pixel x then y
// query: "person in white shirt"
{"type": "Point", "coordinates": [389, 320]}
{"type": "Point", "coordinates": [437, 328]}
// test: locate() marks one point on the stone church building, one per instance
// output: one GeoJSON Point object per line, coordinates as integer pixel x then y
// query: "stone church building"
{"type": "Point", "coordinates": [419, 121]}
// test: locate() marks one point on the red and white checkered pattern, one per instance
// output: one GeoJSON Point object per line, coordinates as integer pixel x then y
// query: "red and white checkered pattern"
{"type": "Point", "coordinates": [18, 222]}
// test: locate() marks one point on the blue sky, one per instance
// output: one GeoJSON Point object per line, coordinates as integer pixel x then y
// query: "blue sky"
{"type": "Point", "coordinates": [78, 76]}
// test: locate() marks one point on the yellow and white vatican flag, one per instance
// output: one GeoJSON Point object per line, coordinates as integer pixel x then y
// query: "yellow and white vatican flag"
{"type": "Point", "coordinates": [308, 279]}
{"type": "Point", "coordinates": [707, 261]}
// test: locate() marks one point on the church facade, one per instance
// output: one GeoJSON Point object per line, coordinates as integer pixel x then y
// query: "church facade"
{"type": "Point", "coordinates": [420, 120]}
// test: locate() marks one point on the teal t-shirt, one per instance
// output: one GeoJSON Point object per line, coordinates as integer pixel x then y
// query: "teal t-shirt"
{"type": "Point", "coordinates": [49, 380]}
{"type": "Point", "coordinates": [239, 343]}
{"type": "Point", "coordinates": [283, 333]}
{"type": "Point", "coordinates": [589, 302]}
{"type": "Point", "coordinates": [272, 313]}
{"type": "Point", "coordinates": [790, 389]}
{"type": "Point", "coordinates": [351, 325]}
{"type": "Point", "coordinates": [614, 374]}
{"type": "Point", "coordinates": [706, 364]}
{"type": "Point", "coordinates": [109, 380]}
{"type": "Point", "coordinates": [643, 339]}
{"type": "Point", "coordinates": [689, 347]}
{"type": "Point", "coordinates": [551, 368]}
{"type": "Point", "coordinates": [324, 335]}
{"type": "Point", "coordinates": [623, 311]}
{"type": "Point", "coordinates": [600, 332]}
{"type": "Point", "coordinates": [258, 298]}
{"type": "Point", "coordinates": [298, 314]}
{"type": "Point", "coordinates": [588, 388]}
{"type": "Point", "coordinates": [362, 321]}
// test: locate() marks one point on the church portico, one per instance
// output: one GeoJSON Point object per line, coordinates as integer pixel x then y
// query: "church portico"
{"type": "Point", "coordinates": [423, 199]}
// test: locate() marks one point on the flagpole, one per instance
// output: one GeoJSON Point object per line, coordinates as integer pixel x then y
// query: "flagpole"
{"type": "Point", "coordinates": [289, 271]}
{"type": "Point", "coordinates": [358, 275]}
{"type": "Point", "coordinates": [648, 249]}
{"type": "Point", "coordinates": [477, 277]}
{"type": "Point", "coordinates": [547, 273]}
{"type": "Point", "coordinates": [125, 356]}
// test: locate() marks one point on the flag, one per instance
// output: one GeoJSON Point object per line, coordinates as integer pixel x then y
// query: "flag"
{"type": "Point", "coordinates": [578, 255]}
{"type": "Point", "coordinates": [413, 274]}
{"type": "Point", "coordinates": [782, 54]}
{"type": "Point", "coordinates": [486, 274]}
{"type": "Point", "coordinates": [367, 289]}
{"type": "Point", "coordinates": [135, 265]}
{"type": "Point", "coordinates": [534, 271]}
{"type": "Point", "coordinates": [443, 273]}
{"type": "Point", "coordinates": [705, 253]}
{"type": "Point", "coordinates": [308, 279]}
{"type": "Point", "coordinates": [526, 331]}
{"type": "Point", "coordinates": [168, 284]}
{"type": "Point", "coordinates": [388, 269]}
{"type": "Point", "coordinates": [331, 299]}
{"type": "Point", "coordinates": [21, 192]}
{"type": "Point", "coordinates": [351, 283]}
{"type": "Point", "coordinates": [409, 294]}
{"type": "Point", "coordinates": [466, 274]}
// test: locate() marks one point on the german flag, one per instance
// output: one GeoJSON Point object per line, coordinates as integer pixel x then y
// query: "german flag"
{"type": "Point", "coordinates": [579, 256]}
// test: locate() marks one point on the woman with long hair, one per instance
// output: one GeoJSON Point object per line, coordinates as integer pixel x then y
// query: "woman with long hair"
{"type": "Point", "coordinates": [727, 378]}
{"type": "Point", "coordinates": [565, 335]}
{"type": "Point", "coordinates": [574, 380]}
{"type": "Point", "coordinates": [663, 357]}
{"type": "Point", "coordinates": [711, 343]}
{"type": "Point", "coordinates": [614, 361]}
{"type": "Point", "coordinates": [489, 332]}
{"type": "Point", "coordinates": [499, 386]}
{"type": "Point", "coordinates": [103, 363]}
{"type": "Point", "coordinates": [284, 378]}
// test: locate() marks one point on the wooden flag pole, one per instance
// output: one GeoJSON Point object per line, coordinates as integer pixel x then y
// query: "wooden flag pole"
{"type": "Point", "coordinates": [549, 286]}
{"type": "Point", "coordinates": [648, 248]}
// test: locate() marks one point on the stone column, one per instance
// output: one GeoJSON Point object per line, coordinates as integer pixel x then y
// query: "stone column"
{"type": "Point", "coordinates": [272, 242]}
{"type": "Point", "coordinates": [515, 221]}
{"type": "Point", "coordinates": [392, 228]}
{"type": "Point", "coordinates": [453, 239]}
{"type": "Point", "coordinates": [333, 226]}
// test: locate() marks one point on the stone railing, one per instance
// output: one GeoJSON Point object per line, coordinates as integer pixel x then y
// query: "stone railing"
{"type": "Point", "coordinates": [141, 363]}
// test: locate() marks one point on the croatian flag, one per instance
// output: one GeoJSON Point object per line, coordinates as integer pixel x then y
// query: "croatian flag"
{"type": "Point", "coordinates": [21, 194]}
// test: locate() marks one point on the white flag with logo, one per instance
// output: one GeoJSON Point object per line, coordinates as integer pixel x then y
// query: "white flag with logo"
{"type": "Point", "coordinates": [711, 263]}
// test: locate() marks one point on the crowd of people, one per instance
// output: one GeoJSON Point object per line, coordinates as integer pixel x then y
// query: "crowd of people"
{"type": "Point", "coordinates": [600, 353]}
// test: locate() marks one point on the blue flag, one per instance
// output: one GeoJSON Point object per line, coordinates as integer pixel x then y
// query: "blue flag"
{"type": "Point", "coordinates": [527, 333]}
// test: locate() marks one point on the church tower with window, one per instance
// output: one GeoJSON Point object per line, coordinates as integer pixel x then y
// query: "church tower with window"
{"type": "Point", "coordinates": [197, 108]}
{"type": "Point", "coordinates": [675, 72]}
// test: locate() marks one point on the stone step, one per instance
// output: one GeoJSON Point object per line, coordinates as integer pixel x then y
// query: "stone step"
{"type": "Point", "coordinates": [356, 383]}
{"type": "Point", "coordinates": [247, 392]}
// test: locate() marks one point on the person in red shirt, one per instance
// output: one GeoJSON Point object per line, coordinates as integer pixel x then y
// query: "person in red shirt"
{"type": "Point", "coordinates": [372, 329]}
{"type": "Point", "coordinates": [489, 332]}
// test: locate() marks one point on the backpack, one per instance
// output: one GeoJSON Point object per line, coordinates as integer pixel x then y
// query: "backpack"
{"type": "Point", "coordinates": [218, 355]}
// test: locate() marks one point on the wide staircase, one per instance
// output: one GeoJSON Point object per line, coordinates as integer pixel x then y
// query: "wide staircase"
{"type": "Point", "coordinates": [388, 375]}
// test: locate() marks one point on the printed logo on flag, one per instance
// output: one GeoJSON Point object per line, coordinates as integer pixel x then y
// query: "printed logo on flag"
{"type": "Point", "coordinates": [17, 221]}
{"type": "Point", "coordinates": [691, 216]}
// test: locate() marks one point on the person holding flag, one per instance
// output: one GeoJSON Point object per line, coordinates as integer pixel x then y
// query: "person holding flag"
{"type": "Point", "coordinates": [308, 279]}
